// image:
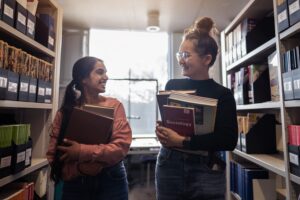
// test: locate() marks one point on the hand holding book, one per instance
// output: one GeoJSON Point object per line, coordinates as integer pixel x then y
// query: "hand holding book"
{"type": "Point", "coordinates": [70, 151]}
{"type": "Point", "coordinates": [168, 137]}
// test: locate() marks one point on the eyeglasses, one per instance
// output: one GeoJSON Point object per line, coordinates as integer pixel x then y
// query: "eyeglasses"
{"type": "Point", "coordinates": [182, 55]}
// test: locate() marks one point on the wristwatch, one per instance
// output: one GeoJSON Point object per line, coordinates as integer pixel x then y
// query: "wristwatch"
{"type": "Point", "coordinates": [186, 143]}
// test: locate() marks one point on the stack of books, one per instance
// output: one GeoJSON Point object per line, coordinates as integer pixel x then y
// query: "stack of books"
{"type": "Point", "coordinates": [188, 114]}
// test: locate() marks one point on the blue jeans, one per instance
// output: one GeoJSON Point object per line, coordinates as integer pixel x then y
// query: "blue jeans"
{"type": "Point", "coordinates": [111, 184]}
{"type": "Point", "coordinates": [183, 176]}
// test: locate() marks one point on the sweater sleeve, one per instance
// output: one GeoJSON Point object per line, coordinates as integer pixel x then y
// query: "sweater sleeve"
{"type": "Point", "coordinates": [116, 149]}
{"type": "Point", "coordinates": [225, 135]}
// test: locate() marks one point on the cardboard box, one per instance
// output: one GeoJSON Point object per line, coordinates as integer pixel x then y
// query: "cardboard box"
{"type": "Point", "coordinates": [32, 89]}
{"type": "Point", "coordinates": [294, 11]}
{"type": "Point", "coordinates": [294, 152]}
{"type": "Point", "coordinates": [8, 15]}
{"type": "Point", "coordinates": [18, 158]}
{"type": "Point", "coordinates": [3, 83]}
{"type": "Point", "coordinates": [28, 153]}
{"type": "Point", "coordinates": [20, 18]}
{"type": "Point", "coordinates": [48, 92]}
{"type": "Point", "coordinates": [23, 88]}
{"type": "Point", "coordinates": [41, 91]}
{"type": "Point", "coordinates": [44, 35]}
{"type": "Point", "coordinates": [288, 85]}
{"type": "Point", "coordinates": [30, 25]}
{"type": "Point", "coordinates": [12, 86]}
{"type": "Point", "coordinates": [5, 159]}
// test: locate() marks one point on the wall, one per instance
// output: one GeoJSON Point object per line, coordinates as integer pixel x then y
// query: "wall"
{"type": "Point", "coordinates": [175, 69]}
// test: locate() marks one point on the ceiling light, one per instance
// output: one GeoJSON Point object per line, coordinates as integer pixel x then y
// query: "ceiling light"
{"type": "Point", "coordinates": [153, 21]}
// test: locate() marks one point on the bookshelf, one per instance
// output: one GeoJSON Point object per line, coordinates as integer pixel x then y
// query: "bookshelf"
{"type": "Point", "coordinates": [38, 115]}
{"type": "Point", "coordinates": [286, 111]}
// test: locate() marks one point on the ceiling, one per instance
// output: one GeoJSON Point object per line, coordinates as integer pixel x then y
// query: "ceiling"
{"type": "Point", "coordinates": [175, 15]}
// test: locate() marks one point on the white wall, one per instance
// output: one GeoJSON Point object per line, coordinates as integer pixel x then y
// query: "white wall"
{"type": "Point", "coordinates": [73, 47]}
{"type": "Point", "coordinates": [175, 69]}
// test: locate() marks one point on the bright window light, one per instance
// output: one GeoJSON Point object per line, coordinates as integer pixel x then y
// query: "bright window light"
{"type": "Point", "coordinates": [140, 59]}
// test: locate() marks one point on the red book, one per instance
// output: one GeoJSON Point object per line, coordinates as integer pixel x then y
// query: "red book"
{"type": "Point", "coordinates": [179, 119]}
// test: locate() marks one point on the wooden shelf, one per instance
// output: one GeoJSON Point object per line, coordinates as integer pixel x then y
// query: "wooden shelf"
{"type": "Point", "coordinates": [272, 162]}
{"type": "Point", "coordinates": [265, 105]}
{"type": "Point", "coordinates": [294, 103]}
{"type": "Point", "coordinates": [290, 31]}
{"type": "Point", "coordinates": [36, 164]}
{"type": "Point", "coordinates": [255, 55]}
{"type": "Point", "coordinates": [21, 104]}
{"type": "Point", "coordinates": [25, 39]}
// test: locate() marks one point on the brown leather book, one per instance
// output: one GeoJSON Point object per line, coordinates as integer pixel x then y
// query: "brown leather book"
{"type": "Point", "coordinates": [88, 127]}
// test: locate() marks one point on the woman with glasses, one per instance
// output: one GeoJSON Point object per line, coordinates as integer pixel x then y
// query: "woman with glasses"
{"type": "Point", "coordinates": [191, 167]}
{"type": "Point", "coordinates": [89, 171]}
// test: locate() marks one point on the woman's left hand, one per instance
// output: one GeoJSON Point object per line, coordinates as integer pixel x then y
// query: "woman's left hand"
{"type": "Point", "coordinates": [70, 152]}
{"type": "Point", "coordinates": [168, 137]}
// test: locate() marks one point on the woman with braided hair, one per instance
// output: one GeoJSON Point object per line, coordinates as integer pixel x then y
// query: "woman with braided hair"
{"type": "Point", "coordinates": [190, 167]}
{"type": "Point", "coordinates": [89, 171]}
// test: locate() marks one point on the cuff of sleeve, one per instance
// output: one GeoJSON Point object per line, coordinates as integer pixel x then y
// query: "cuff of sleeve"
{"type": "Point", "coordinates": [186, 143]}
{"type": "Point", "coordinates": [86, 153]}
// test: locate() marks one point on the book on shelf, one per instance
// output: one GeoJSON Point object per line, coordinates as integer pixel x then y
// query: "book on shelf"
{"type": "Point", "coordinates": [89, 127]}
{"type": "Point", "coordinates": [205, 110]}
{"type": "Point", "coordinates": [179, 119]}
{"type": "Point", "coordinates": [162, 97]}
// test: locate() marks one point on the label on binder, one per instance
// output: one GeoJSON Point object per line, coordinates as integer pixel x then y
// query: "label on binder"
{"type": "Point", "coordinates": [12, 87]}
{"type": "Point", "coordinates": [41, 91]}
{"type": "Point", "coordinates": [294, 158]}
{"type": "Point", "coordinates": [5, 162]}
{"type": "Point", "coordinates": [282, 16]}
{"type": "Point", "coordinates": [51, 40]}
{"type": "Point", "coordinates": [287, 86]}
{"type": "Point", "coordinates": [32, 89]}
{"type": "Point", "coordinates": [21, 157]}
{"type": "Point", "coordinates": [3, 82]}
{"type": "Point", "coordinates": [22, 18]}
{"type": "Point", "coordinates": [8, 11]}
{"type": "Point", "coordinates": [294, 7]}
{"type": "Point", "coordinates": [48, 91]}
{"type": "Point", "coordinates": [28, 156]}
{"type": "Point", "coordinates": [297, 84]}
{"type": "Point", "coordinates": [24, 87]}
{"type": "Point", "coordinates": [30, 26]}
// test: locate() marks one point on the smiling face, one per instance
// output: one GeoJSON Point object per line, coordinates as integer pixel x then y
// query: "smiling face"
{"type": "Point", "coordinates": [96, 81]}
{"type": "Point", "coordinates": [193, 65]}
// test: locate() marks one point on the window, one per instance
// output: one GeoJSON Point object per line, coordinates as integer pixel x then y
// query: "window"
{"type": "Point", "coordinates": [137, 65]}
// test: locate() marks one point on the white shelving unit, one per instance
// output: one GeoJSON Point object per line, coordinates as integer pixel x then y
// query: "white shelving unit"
{"type": "Point", "coordinates": [287, 185]}
{"type": "Point", "coordinates": [39, 115]}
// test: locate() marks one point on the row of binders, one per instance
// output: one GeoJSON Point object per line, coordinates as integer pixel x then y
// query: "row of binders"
{"type": "Point", "coordinates": [22, 15]}
{"type": "Point", "coordinates": [24, 77]}
{"type": "Point", "coordinates": [251, 182]}
{"type": "Point", "coordinates": [15, 148]}
{"type": "Point", "coordinates": [247, 36]}
{"type": "Point", "coordinates": [186, 113]}
{"type": "Point", "coordinates": [291, 74]}
{"type": "Point", "coordinates": [288, 13]}
{"type": "Point", "coordinates": [255, 83]}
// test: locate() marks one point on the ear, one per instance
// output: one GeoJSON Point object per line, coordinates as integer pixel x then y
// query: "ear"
{"type": "Point", "coordinates": [208, 59]}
